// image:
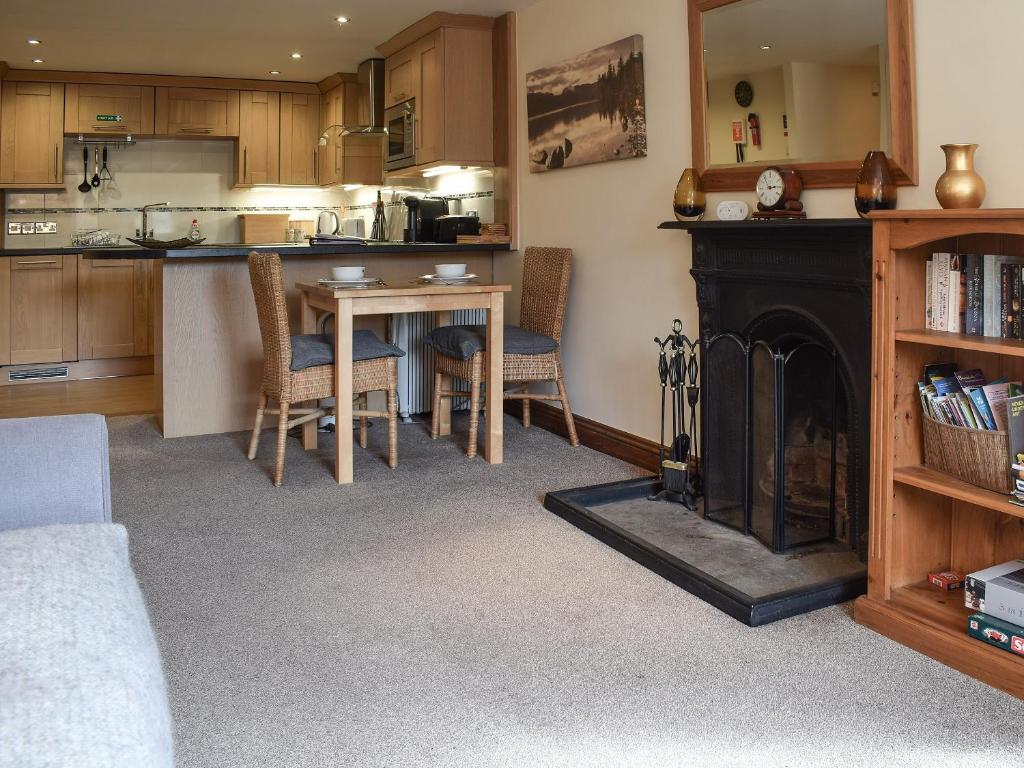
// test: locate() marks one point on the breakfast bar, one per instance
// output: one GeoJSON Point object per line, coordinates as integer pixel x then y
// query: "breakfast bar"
{"type": "Point", "coordinates": [208, 354]}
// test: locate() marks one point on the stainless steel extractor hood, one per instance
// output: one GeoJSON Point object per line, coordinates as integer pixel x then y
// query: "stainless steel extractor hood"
{"type": "Point", "coordinates": [370, 116]}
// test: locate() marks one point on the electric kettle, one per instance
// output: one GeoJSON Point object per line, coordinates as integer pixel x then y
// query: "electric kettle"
{"type": "Point", "coordinates": [327, 223]}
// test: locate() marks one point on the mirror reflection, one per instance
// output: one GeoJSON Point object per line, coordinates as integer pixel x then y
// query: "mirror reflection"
{"type": "Point", "coordinates": [795, 81]}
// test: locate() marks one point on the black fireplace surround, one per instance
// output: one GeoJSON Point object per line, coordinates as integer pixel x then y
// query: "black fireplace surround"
{"type": "Point", "coordinates": [785, 324]}
{"type": "Point", "coordinates": [784, 315]}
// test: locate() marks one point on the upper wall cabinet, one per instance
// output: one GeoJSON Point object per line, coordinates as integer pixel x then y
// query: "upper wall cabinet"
{"type": "Point", "coordinates": [259, 131]}
{"type": "Point", "coordinates": [449, 72]}
{"type": "Point", "coordinates": [31, 134]}
{"type": "Point", "coordinates": [108, 109]}
{"type": "Point", "coordinates": [401, 78]}
{"type": "Point", "coordinates": [196, 112]}
{"type": "Point", "coordinates": [300, 134]}
{"type": "Point", "coordinates": [347, 159]}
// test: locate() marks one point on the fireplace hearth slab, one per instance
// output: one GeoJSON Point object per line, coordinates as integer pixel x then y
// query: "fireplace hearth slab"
{"type": "Point", "coordinates": [732, 572]}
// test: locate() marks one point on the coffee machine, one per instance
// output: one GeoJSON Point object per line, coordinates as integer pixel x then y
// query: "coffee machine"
{"type": "Point", "coordinates": [422, 214]}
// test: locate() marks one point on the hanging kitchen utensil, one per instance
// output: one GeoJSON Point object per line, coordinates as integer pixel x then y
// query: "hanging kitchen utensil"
{"type": "Point", "coordinates": [96, 168]}
{"type": "Point", "coordinates": [105, 174]}
{"type": "Point", "coordinates": [84, 186]}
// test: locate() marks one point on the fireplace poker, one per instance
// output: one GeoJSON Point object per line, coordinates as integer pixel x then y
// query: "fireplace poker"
{"type": "Point", "coordinates": [663, 376]}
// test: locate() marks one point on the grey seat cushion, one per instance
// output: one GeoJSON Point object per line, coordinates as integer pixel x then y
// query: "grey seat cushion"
{"type": "Point", "coordinates": [318, 349]}
{"type": "Point", "coordinates": [54, 470]}
{"type": "Point", "coordinates": [80, 677]}
{"type": "Point", "coordinates": [463, 341]}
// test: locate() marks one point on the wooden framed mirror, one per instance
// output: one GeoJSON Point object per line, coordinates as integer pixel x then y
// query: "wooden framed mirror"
{"type": "Point", "coordinates": [811, 85]}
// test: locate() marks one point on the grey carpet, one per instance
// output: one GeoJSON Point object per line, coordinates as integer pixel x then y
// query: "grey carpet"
{"type": "Point", "coordinates": [436, 615]}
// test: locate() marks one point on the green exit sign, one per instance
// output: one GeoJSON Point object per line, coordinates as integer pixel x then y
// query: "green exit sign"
{"type": "Point", "coordinates": [109, 118]}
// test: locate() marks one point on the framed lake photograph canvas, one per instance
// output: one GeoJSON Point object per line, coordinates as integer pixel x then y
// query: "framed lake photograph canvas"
{"type": "Point", "coordinates": [588, 109]}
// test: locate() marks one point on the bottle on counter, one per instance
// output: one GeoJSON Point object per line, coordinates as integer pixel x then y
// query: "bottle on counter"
{"type": "Point", "coordinates": [193, 233]}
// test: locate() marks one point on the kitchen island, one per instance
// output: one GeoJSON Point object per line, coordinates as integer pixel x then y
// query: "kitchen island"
{"type": "Point", "coordinates": [208, 353]}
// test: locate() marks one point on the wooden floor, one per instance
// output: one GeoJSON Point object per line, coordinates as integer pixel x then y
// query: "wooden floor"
{"type": "Point", "coordinates": [122, 396]}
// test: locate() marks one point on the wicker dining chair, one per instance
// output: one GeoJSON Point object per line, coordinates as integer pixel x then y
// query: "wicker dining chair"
{"type": "Point", "coordinates": [531, 348]}
{"type": "Point", "coordinates": [301, 368]}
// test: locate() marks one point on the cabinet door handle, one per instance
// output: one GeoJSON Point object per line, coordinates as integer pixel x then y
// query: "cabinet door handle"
{"type": "Point", "coordinates": [245, 163]}
{"type": "Point", "coordinates": [110, 127]}
{"type": "Point", "coordinates": [56, 161]}
{"type": "Point", "coordinates": [195, 130]}
{"type": "Point", "coordinates": [34, 263]}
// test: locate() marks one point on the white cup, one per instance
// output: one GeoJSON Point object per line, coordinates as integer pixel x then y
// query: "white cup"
{"type": "Point", "coordinates": [449, 270]}
{"type": "Point", "coordinates": [348, 273]}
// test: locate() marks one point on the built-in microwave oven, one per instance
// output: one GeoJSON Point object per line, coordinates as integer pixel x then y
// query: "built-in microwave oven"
{"type": "Point", "coordinates": [400, 121]}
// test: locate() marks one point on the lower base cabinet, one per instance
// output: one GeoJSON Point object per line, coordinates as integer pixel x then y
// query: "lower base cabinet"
{"type": "Point", "coordinates": [60, 308]}
{"type": "Point", "coordinates": [40, 294]}
{"type": "Point", "coordinates": [115, 317]}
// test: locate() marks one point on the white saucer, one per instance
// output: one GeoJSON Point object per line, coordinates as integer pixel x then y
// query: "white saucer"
{"type": "Point", "coordinates": [435, 280]}
{"type": "Point", "coordinates": [363, 282]}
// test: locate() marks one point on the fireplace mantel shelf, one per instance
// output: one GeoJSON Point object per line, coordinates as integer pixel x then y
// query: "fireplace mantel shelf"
{"type": "Point", "coordinates": [750, 224]}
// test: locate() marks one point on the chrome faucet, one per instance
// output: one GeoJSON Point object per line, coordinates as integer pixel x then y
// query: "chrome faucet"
{"type": "Point", "coordinates": [145, 217]}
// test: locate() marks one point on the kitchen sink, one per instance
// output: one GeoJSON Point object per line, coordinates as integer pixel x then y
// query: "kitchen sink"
{"type": "Point", "coordinates": [148, 242]}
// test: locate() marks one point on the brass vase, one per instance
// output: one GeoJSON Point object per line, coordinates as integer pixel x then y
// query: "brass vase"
{"type": "Point", "coordinates": [960, 186]}
{"type": "Point", "coordinates": [875, 189]}
{"type": "Point", "coordinates": [689, 202]}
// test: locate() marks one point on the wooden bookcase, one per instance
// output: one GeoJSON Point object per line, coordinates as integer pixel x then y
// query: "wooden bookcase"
{"type": "Point", "coordinates": [923, 520]}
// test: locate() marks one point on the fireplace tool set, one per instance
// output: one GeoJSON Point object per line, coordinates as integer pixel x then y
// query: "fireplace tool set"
{"type": "Point", "coordinates": [679, 373]}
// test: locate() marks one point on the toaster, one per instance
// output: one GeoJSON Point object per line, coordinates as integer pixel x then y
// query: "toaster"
{"type": "Point", "coordinates": [451, 226]}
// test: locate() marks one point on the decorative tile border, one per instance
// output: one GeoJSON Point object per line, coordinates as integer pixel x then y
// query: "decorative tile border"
{"type": "Point", "coordinates": [400, 204]}
{"type": "Point", "coordinates": [226, 208]}
{"type": "Point", "coordinates": [174, 209]}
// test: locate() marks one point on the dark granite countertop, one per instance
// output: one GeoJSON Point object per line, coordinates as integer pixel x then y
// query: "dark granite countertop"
{"type": "Point", "coordinates": [39, 251]}
{"type": "Point", "coordinates": [238, 249]}
{"type": "Point", "coordinates": [285, 249]}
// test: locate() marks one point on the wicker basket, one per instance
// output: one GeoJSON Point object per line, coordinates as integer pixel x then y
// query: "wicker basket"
{"type": "Point", "coordinates": [976, 456]}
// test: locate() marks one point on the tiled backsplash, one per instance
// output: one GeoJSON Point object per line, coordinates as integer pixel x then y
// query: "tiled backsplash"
{"type": "Point", "coordinates": [196, 177]}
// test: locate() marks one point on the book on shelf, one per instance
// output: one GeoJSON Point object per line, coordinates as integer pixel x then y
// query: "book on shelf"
{"type": "Point", "coordinates": [975, 294]}
{"type": "Point", "coordinates": [974, 320]}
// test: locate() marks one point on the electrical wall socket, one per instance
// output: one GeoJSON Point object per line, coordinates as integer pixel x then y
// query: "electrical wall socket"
{"type": "Point", "coordinates": [46, 227]}
{"type": "Point", "coordinates": [14, 228]}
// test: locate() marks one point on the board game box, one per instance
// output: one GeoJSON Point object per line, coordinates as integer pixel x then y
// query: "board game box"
{"type": "Point", "coordinates": [998, 591]}
{"type": "Point", "coordinates": [1001, 634]}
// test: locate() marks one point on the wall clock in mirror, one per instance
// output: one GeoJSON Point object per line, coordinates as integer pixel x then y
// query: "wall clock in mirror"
{"type": "Point", "coordinates": [744, 93]}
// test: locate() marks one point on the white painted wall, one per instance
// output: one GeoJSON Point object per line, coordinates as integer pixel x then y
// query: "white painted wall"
{"type": "Point", "coordinates": [630, 278]}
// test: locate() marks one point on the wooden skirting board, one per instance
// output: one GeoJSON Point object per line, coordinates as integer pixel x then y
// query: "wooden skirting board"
{"type": "Point", "coordinates": [625, 446]}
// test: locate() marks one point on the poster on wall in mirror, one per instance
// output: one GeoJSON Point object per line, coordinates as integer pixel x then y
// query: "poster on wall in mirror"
{"type": "Point", "coordinates": [589, 108]}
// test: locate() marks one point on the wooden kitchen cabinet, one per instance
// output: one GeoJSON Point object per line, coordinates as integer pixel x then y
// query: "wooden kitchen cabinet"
{"type": "Point", "coordinates": [347, 159]}
{"type": "Point", "coordinates": [300, 134]}
{"type": "Point", "coordinates": [115, 312]}
{"type": "Point", "coordinates": [85, 104]}
{"type": "Point", "coordinates": [41, 312]}
{"type": "Point", "coordinates": [32, 134]}
{"type": "Point", "coordinates": [449, 72]}
{"type": "Point", "coordinates": [196, 112]}
{"type": "Point", "coordinates": [401, 76]}
{"type": "Point", "coordinates": [259, 144]}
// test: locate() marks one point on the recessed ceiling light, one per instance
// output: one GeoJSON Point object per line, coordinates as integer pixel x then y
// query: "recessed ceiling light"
{"type": "Point", "coordinates": [766, 47]}
{"type": "Point", "coordinates": [275, 72]}
{"type": "Point", "coordinates": [342, 19]}
{"type": "Point", "coordinates": [296, 55]}
{"type": "Point", "coordinates": [33, 41]}
{"type": "Point", "coordinates": [37, 61]}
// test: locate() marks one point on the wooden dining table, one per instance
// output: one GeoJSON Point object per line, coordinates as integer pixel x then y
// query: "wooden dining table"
{"type": "Point", "coordinates": [347, 303]}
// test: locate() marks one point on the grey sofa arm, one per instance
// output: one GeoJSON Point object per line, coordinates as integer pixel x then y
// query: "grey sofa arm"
{"type": "Point", "coordinates": [54, 469]}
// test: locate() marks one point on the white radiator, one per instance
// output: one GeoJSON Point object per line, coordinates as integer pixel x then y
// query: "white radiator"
{"type": "Point", "coordinates": [416, 369]}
